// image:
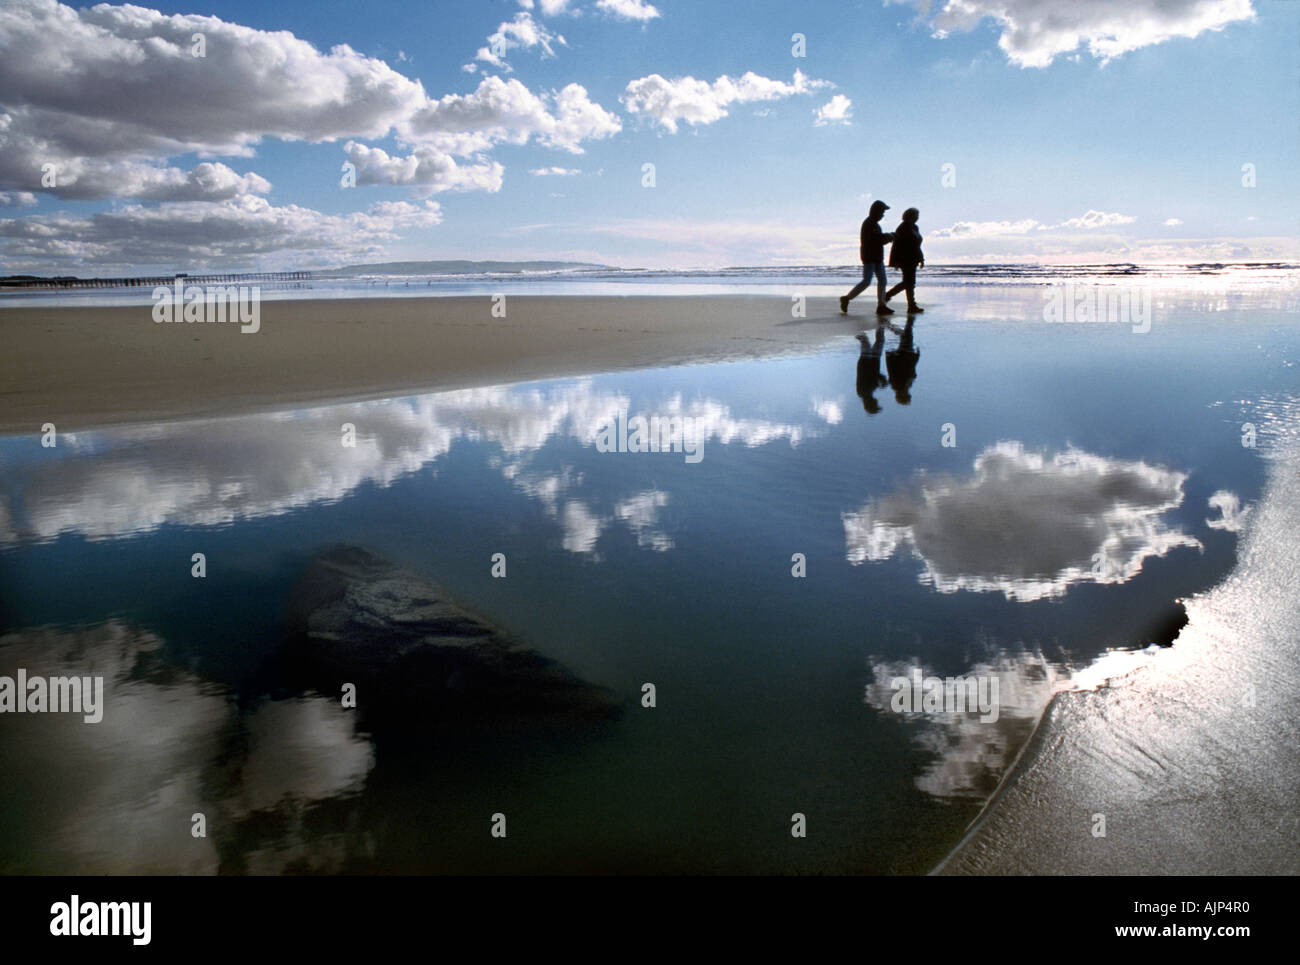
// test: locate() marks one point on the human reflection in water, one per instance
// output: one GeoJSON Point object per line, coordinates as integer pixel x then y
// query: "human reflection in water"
{"type": "Point", "coordinates": [869, 377]}
{"type": "Point", "coordinates": [900, 363]}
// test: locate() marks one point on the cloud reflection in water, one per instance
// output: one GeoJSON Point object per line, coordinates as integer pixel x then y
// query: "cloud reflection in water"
{"type": "Point", "coordinates": [130, 481]}
{"type": "Point", "coordinates": [1024, 524]}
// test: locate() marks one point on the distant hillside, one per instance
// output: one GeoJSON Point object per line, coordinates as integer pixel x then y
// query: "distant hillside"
{"type": "Point", "coordinates": [452, 268]}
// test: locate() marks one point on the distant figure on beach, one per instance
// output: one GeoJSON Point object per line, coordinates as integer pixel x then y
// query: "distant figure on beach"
{"type": "Point", "coordinates": [905, 254]}
{"type": "Point", "coordinates": [900, 363]}
{"type": "Point", "coordinates": [869, 377]}
{"type": "Point", "coordinates": [872, 249]}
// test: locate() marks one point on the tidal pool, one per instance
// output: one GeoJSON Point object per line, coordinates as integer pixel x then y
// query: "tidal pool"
{"type": "Point", "coordinates": [991, 496]}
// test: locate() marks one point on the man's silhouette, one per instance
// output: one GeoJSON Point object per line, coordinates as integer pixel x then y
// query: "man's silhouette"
{"type": "Point", "coordinates": [905, 254]}
{"type": "Point", "coordinates": [872, 250]}
{"type": "Point", "coordinates": [869, 377]}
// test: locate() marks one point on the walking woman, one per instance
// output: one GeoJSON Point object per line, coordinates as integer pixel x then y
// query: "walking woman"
{"type": "Point", "coordinates": [905, 254]}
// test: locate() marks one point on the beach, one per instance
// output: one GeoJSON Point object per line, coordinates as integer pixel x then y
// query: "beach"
{"type": "Point", "coordinates": [1189, 754]}
{"type": "Point", "coordinates": [87, 366]}
{"type": "Point", "coordinates": [1178, 761]}
{"type": "Point", "coordinates": [536, 438]}
{"type": "Point", "coordinates": [477, 436]}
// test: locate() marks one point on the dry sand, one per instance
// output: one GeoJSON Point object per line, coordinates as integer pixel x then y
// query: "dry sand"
{"type": "Point", "coordinates": [80, 367]}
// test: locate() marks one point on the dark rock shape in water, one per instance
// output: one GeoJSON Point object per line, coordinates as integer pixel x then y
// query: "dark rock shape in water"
{"type": "Point", "coordinates": [416, 657]}
{"type": "Point", "coordinates": [1164, 628]}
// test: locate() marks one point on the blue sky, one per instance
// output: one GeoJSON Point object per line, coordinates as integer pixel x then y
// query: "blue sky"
{"type": "Point", "coordinates": [1106, 130]}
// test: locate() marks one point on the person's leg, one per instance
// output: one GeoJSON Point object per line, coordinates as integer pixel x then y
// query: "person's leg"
{"type": "Point", "coordinates": [907, 283]}
{"type": "Point", "coordinates": [909, 279]}
{"type": "Point", "coordinates": [881, 307]}
{"type": "Point", "coordinates": [861, 286]}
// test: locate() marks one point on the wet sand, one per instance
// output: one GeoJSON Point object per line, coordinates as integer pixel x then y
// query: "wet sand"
{"type": "Point", "coordinates": [1192, 756]}
{"type": "Point", "coordinates": [1191, 777]}
{"type": "Point", "coordinates": [79, 367]}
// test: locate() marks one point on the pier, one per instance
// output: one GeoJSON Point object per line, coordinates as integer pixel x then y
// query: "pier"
{"type": "Point", "coordinates": [32, 283]}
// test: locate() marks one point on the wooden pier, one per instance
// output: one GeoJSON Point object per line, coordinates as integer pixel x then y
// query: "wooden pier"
{"type": "Point", "coordinates": [68, 283]}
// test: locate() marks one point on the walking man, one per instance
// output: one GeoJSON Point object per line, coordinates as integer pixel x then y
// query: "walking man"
{"type": "Point", "coordinates": [872, 250]}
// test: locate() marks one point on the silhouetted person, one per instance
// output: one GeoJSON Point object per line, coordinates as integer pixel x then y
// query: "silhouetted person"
{"type": "Point", "coordinates": [901, 364]}
{"type": "Point", "coordinates": [872, 250]}
{"type": "Point", "coordinates": [905, 254]}
{"type": "Point", "coordinates": [869, 377]}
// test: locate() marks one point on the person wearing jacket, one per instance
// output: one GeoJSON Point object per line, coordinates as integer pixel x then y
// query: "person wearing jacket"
{"type": "Point", "coordinates": [869, 377]}
{"type": "Point", "coordinates": [900, 363]}
{"type": "Point", "coordinates": [905, 255]}
{"type": "Point", "coordinates": [872, 251]}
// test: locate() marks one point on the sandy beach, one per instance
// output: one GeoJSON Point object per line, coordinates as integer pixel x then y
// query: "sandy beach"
{"type": "Point", "coordinates": [1188, 752]}
{"type": "Point", "coordinates": [81, 367]}
{"type": "Point", "coordinates": [1190, 779]}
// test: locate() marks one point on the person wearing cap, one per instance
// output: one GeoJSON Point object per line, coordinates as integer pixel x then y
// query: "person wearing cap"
{"type": "Point", "coordinates": [872, 250]}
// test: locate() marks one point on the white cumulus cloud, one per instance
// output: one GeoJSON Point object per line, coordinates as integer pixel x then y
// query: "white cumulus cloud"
{"type": "Point", "coordinates": [105, 97]}
{"type": "Point", "coordinates": [523, 32]}
{"type": "Point", "coordinates": [838, 110]}
{"type": "Point", "coordinates": [628, 9]}
{"type": "Point", "coordinates": [427, 168]}
{"type": "Point", "coordinates": [1036, 32]}
{"type": "Point", "coordinates": [550, 8]}
{"type": "Point", "coordinates": [701, 102]}
{"type": "Point", "coordinates": [122, 81]}
{"type": "Point", "coordinates": [507, 111]}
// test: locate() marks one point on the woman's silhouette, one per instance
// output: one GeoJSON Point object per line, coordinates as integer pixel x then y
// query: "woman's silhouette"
{"type": "Point", "coordinates": [900, 363]}
{"type": "Point", "coordinates": [905, 254]}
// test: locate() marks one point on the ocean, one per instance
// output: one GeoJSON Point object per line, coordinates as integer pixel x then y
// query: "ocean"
{"type": "Point", "coordinates": [811, 281]}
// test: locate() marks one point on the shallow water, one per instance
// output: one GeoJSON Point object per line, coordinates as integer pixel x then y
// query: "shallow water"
{"type": "Point", "coordinates": [1094, 476]}
{"type": "Point", "coordinates": [1179, 760]}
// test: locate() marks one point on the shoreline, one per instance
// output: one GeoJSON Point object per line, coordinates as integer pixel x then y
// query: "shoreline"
{"type": "Point", "coordinates": [1088, 752]}
{"type": "Point", "coordinates": [90, 367]}
{"type": "Point", "coordinates": [1012, 774]}
{"type": "Point", "coordinates": [1159, 749]}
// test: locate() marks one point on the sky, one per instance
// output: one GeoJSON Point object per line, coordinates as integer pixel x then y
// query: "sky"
{"type": "Point", "coordinates": [673, 133]}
